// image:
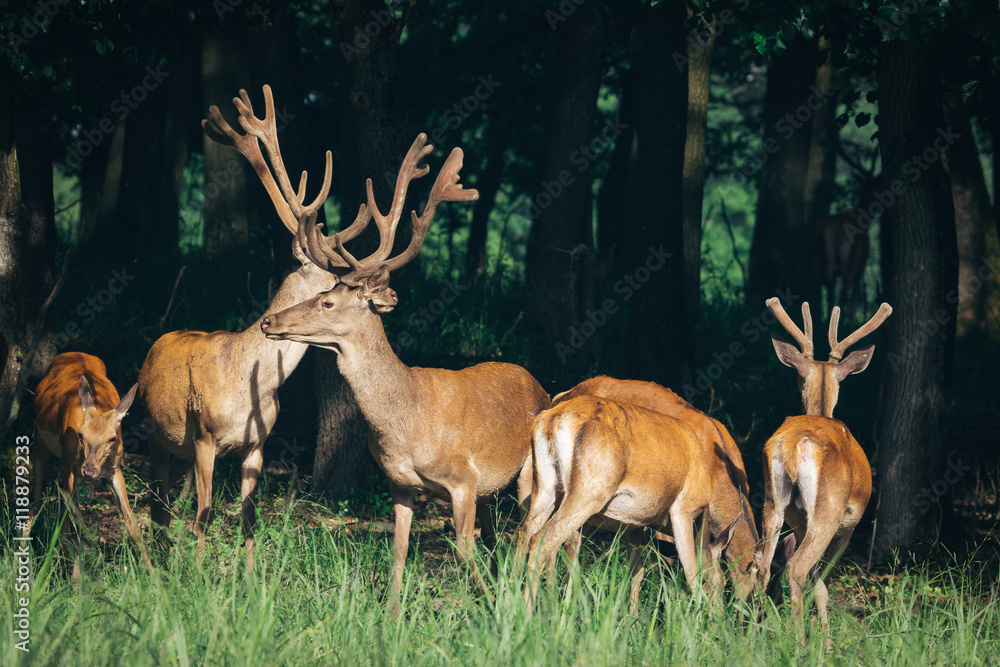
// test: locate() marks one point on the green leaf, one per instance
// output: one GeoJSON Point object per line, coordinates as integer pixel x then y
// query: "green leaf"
{"type": "Point", "coordinates": [862, 119]}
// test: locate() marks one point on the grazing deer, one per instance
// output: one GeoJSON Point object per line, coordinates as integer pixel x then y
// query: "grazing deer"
{"type": "Point", "coordinates": [460, 435]}
{"type": "Point", "coordinates": [816, 475]}
{"type": "Point", "coordinates": [78, 417]}
{"type": "Point", "coordinates": [213, 394]}
{"type": "Point", "coordinates": [729, 504]}
{"type": "Point", "coordinates": [843, 238]}
{"type": "Point", "coordinates": [619, 465]}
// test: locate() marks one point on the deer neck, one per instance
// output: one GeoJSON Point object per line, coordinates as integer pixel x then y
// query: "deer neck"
{"type": "Point", "coordinates": [275, 360]}
{"type": "Point", "coordinates": [384, 387]}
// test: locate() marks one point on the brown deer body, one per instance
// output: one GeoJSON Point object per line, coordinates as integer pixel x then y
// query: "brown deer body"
{"type": "Point", "coordinates": [78, 416]}
{"type": "Point", "coordinates": [729, 502]}
{"type": "Point", "coordinates": [617, 465]}
{"type": "Point", "coordinates": [816, 476]}
{"type": "Point", "coordinates": [461, 435]}
{"type": "Point", "coordinates": [212, 394]}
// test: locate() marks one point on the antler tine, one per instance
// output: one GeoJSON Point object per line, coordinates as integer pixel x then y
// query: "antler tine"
{"type": "Point", "coordinates": [805, 344]}
{"type": "Point", "coordinates": [218, 130]}
{"type": "Point", "coordinates": [837, 349]}
{"type": "Point", "coordinates": [446, 188]}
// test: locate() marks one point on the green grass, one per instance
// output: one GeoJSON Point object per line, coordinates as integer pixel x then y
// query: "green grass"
{"type": "Point", "coordinates": [318, 598]}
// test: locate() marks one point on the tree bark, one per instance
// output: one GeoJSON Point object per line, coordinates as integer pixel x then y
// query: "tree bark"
{"type": "Point", "coordinates": [699, 78]}
{"type": "Point", "coordinates": [488, 183]}
{"type": "Point", "coordinates": [973, 217]}
{"type": "Point", "coordinates": [921, 225]}
{"type": "Point", "coordinates": [224, 210]}
{"type": "Point", "coordinates": [561, 233]}
{"type": "Point", "coordinates": [822, 170]}
{"type": "Point", "coordinates": [778, 256]}
{"type": "Point", "coordinates": [27, 234]}
{"type": "Point", "coordinates": [653, 258]}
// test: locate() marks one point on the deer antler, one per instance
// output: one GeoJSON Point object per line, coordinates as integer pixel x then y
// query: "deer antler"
{"type": "Point", "coordinates": [804, 339]}
{"type": "Point", "coordinates": [287, 202]}
{"type": "Point", "coordinates": [837, 349]}
{"type": "Point", "coordinates": [446, 188]}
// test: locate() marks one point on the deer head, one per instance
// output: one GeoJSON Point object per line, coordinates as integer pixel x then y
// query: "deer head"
{"type": "Point", "coordinates": [100, 436]}
{"type": "Point", "coordinates": [362, 288]}
{"type": "Point", "coordinates": [820, 381]}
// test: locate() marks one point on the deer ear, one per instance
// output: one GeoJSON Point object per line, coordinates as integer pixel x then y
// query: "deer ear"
{"type": "Point", "coordinates": [86, 395]}
{"type": "Point", "coordinates": [855, 362]}
{"type": "Point", "coordinates": [376, 289]}
{"type": "Point", "coordinates": [788, 354]}
{"type": "Point", "coordinates": [126, 403]}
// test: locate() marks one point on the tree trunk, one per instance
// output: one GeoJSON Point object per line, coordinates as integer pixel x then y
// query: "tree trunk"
{"type": "Point", "coordinates": [224, 209]}
{"type": "Point", "coordinates": [822, 170]}
{"type": "Point", "coordinates": [778, 257]}
{"type": "Point", "coordinates": [27, 236]}
{"type": "Point", "coordinates": [488, 183]}
{"type": "Point", "coordinates": [381, 133]}
{"type": "Point", "coordinates": [653, 259]}
{"type": "Point", "coordinates": [921, 225]}
{"type": "Point", "coordinates": [561, 209]}
{"type": "Point", "coordinates": [973, 217]}
{"type": "Point", "coordinates": [699, 76]}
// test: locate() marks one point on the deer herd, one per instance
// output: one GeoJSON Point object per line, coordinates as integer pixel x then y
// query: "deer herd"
{"type": "Point", "coordinates": [616, 454]}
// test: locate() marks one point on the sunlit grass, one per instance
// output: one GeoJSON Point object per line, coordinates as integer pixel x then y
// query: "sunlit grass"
{"type": "Point", "coordinates": [318, 597]}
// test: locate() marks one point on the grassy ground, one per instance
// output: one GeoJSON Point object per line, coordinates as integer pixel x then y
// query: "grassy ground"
{"type": "Point", "coordinates": [318, 597]}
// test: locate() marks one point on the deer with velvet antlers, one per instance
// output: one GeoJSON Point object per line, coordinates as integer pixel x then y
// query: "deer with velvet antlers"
{"type": "Point", "coordinates": [816, 476]}
{"type": "Point", "coordinates": [214, 394]}
{"type": "Point", "coordinates": [459, 435]}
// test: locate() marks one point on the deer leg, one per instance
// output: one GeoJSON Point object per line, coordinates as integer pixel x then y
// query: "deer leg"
{"type": "Point", "coordinates": [159, 501]}
{"type": "Point", "coordinates": [131, 525]}
{"type": "Point", "coordinates": [682, 523]}
{"type": "Point", "coordinates": [204, 464]}
{"type": "Point", "coordinates": [250, 473]}
{"type": "Point", "coordinates": [777, 495]}
{"type": "Point", "coordinates": [488, 534]}
{"type": "Point", "coordinates": [402, 507]}
{"type": "Point", "coordinates": [832, 555]}
{"type": "Point", "coordinates": [463, 503]}
{"type": "Point", "coordinates": [525, 485]}
{"type": "Point", "coordinates": [68, 488]}
{"type": "Point", "coordinates": [636, 566]}
{"type": "Point", "coordinates": [543, 502]}
{"type": "Point", "coordinates": [818, 537]}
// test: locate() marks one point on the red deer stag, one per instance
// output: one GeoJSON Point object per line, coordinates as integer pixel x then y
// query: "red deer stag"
{"type": "Point", "coordinates": [213, 394]}
{"type": "Point", "coordinates": [816, 475]}
{"type": "Point", "coordinates": [619, 465]}
{"type": "Point", "coordinates": [729, 502]}
{"type": "Point", "coordinates": [462, 435]}
{"type": "Point", "coordinates": [78, 417]}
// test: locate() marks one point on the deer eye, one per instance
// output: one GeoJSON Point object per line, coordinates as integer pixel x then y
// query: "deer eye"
{"type": "Point", "coordinates": [328, 304]}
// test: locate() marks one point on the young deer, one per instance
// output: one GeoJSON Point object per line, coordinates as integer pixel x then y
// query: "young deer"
{"type": "Point", "coordinates": [729, 505]}
{"type": "Point", "coordinates": [620, 466]}
{"type": "Point", "coordinates": [215, 394]}
{"type": "Point", "coordinates": [78, 417]}
{"type": "Point", "coordinates": [460, 435]}
{"type": "Point", "coordinates": [816, 475]}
